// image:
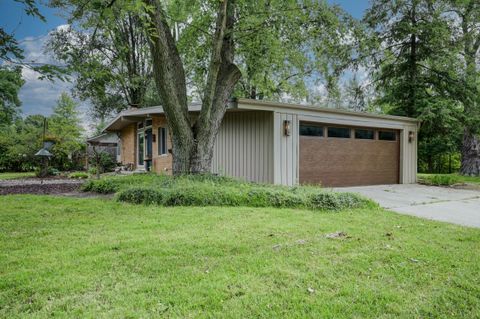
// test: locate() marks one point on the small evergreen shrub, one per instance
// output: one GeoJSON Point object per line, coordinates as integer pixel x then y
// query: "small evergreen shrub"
{"type": "Point", "coordinates": [50, 172]}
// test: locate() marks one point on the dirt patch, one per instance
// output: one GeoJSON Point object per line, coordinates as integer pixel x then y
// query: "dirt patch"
{"type": "Point", "coordinates": [41, 187]}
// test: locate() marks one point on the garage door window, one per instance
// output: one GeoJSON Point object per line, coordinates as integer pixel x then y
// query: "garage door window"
{"type": "Point", "coordinates": [387, 136]}
{"type": "Point", "coordinates": [364, 134]}
{"type": "Point", "coordinates": [342, 132]}
{"type": "Point", "coordinates": [311, 130]}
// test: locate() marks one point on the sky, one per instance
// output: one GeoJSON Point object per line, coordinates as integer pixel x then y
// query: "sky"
{"type": "Point", "coordinates": [39, 97]}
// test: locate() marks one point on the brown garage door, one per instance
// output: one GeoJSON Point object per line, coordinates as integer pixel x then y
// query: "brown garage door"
{"type": "Point", "coordinates": [348, 156]}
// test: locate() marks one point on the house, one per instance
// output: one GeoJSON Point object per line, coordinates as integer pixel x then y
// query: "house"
{"type": "Point", "coordinates": [106, 142]}
{"type": "Point", "coordinates": [284, 144]}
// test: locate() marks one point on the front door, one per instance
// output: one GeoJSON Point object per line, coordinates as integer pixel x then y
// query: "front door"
{"type": "Point", "coordinates": [140, 149]}
{"type": "Point", "coordinates": [148, 149]}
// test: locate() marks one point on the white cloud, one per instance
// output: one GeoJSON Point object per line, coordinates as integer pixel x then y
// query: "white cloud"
{"type": "Point", "coordinates": [40, 96]}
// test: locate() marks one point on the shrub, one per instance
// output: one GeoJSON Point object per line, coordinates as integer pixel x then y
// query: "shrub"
{"type": "Point", "coordinates": [102, 186]}
{"type": "Point", "coordinates": [263, 197]}
{"type": "Point", "coordinates": [39, 171]}
{"type": "Point", "coordinates": [439, 180]}
{"type": "Point", "coordinates": [336, 201]}
{"type": "Point", "coordinates": [230, 196]}
{"type": "Point", "coordinates": [78, 175]}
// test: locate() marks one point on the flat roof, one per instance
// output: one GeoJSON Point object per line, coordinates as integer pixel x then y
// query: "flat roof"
{"type": "Point", "coordinates": [269, 105]}
{"type": "Point", "coordinates": [129, 116]}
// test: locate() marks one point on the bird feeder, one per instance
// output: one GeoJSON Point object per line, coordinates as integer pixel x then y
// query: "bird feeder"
{"type": "Point", "coordinates": [44, 152]}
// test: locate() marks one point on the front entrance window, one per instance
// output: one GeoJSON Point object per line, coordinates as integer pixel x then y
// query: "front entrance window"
{"type": "Point", "coordinates": [140, 147]}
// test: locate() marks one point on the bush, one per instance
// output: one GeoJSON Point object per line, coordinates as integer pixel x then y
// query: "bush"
{"type": "Point", "coordinates": [78, 175]}
{"type": "Point", "coordinates": [102, 186]}
{"type": "Point", "coordinates": [439, 180]}
{"type": "Point", "coordinates": [230, 196]}
{"type": "Point", "coordinates": [336, 201]}
{"type": "Point", "coordinates": [50, 172]}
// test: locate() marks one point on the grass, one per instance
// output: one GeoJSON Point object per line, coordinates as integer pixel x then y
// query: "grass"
{"type": "Point", "coordinates": [71, 258]}
{"type": "Point", "coordinates": [447, 179]}
{"type": "Point", "coordinates": [16, 175]}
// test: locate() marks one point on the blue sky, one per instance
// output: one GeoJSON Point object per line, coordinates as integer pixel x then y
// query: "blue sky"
{"type": "Point", "coordinates": [39, 97]}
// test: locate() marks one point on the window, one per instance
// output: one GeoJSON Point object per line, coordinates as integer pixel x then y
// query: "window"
{"type": "Point", "coordinates": [342, 132]}
{"type": "Point", "coordinates": [141, 149]}
{"type": "Point", "coordinates": [119, 147]}
{"type": "Point", "coordinates": [311, 130]}
{"type": "Point", "coordinates": [148, 141]}
{"type": "Point", "coordinates": [148, 122]}
{"type": "Point", "coordinates": [140, 125]}
{"type": "Point", "coordinates": [387, 136]}
{"type": "Point", "coordinates": [364, 134]}
{"type": "Point", "coordinates": [162, 141]}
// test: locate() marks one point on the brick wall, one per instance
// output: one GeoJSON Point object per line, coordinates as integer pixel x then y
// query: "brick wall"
{"type": "Point", "coordinates": [162, 164]}
{"type": "Point", "coordinates": [128, 136]}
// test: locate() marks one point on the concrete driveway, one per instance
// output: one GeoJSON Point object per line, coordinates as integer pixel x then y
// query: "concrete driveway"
{"type": "Point", "coordinates": [456, 206]}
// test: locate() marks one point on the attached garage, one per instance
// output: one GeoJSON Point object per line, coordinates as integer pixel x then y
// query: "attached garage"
{"type": "Point", "coordinates": [348, 156]}
{"type": "Point", "coordinates": [318, 145]}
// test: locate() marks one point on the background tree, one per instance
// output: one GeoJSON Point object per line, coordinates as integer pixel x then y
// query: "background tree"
{"type": "Point", "coordinates": [10, 83]}
{"type": "Point", "coordinates": [465, 33]}
{"type": "Point", "coordinates": [355, 95]}
{"type": "Point", "coordinates": [202, 48]}
{"type": "Point", "coordinates": [19, 142]}
{"type": "Point", "coordinates": [64, 128]}
{"type": "Point", "coordinates": [108, 54]}
{"type": "Point", "coordinates": [415, 71]}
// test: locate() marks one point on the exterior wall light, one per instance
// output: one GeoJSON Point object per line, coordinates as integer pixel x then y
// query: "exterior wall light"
{"type": "Point", "coordinates": [286, 127]}
{"type": "Point", "coordinates": [411, 136]}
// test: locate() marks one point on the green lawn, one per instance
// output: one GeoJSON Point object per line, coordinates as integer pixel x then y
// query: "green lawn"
{"type": "Point", "coordinates": [15, 175]}
{"type": "Point", "coordinates": [76, 258]}
{"type": "Point", "coordinates": [455, 177]}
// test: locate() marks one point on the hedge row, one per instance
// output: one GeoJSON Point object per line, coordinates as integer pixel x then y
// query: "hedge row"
{"type": "Point", "coordinates": [254, 197]}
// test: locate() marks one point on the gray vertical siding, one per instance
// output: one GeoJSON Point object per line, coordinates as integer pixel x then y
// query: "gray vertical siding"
{"type": "Point", "coordinates": [244, 146]}
{"type": "Point", "coordinates": [408, 156]}
{"type": "Point", "coordinates": [251, 145]}
{"type": "Point", "coordinates": [285, 150]}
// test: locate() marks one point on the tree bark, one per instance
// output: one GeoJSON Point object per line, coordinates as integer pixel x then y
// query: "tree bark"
{"type": "Point", "coordinates": [193, 142]}
{"type": "Point", "coordinates": [470, 154]}
{"type": "Point", "coordinates": [470, 162]}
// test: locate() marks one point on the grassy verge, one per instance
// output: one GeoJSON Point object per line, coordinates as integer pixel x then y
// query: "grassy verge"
{"type": "Point", "coordinates": [447, 179]}
{"type": "Point", "coordinates": [16, 175]}
{"type": "Point", "coordinates": [72, 258]}
{"type": "Point", "coordinates": [209, 190]}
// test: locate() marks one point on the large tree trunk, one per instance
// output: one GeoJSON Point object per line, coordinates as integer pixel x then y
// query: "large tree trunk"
{"type": "Point", "coordinates": [471, 141]}
{"type": "Point", "coordinates": [470, 155]}
{"type": "Point", "coordinates": [223, 74]}
{"type": "Point", "coordinates": [193, 142]}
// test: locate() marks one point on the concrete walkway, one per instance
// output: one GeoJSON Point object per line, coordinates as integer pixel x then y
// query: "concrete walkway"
{"type": "Point", "coordinates": [456, 206]}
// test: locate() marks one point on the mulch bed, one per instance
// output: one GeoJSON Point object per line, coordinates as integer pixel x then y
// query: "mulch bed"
{"type": "Point", "coordinates": [36, 186]}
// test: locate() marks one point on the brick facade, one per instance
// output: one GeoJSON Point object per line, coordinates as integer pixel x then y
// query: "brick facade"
{"type": "Point", "coordinates": [128, 138]}
{"type": "Point", "coordinates": [161, 164]}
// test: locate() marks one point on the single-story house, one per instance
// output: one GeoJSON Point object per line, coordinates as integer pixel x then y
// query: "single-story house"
{"type": "Point", "coordinates": [284, 144]}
